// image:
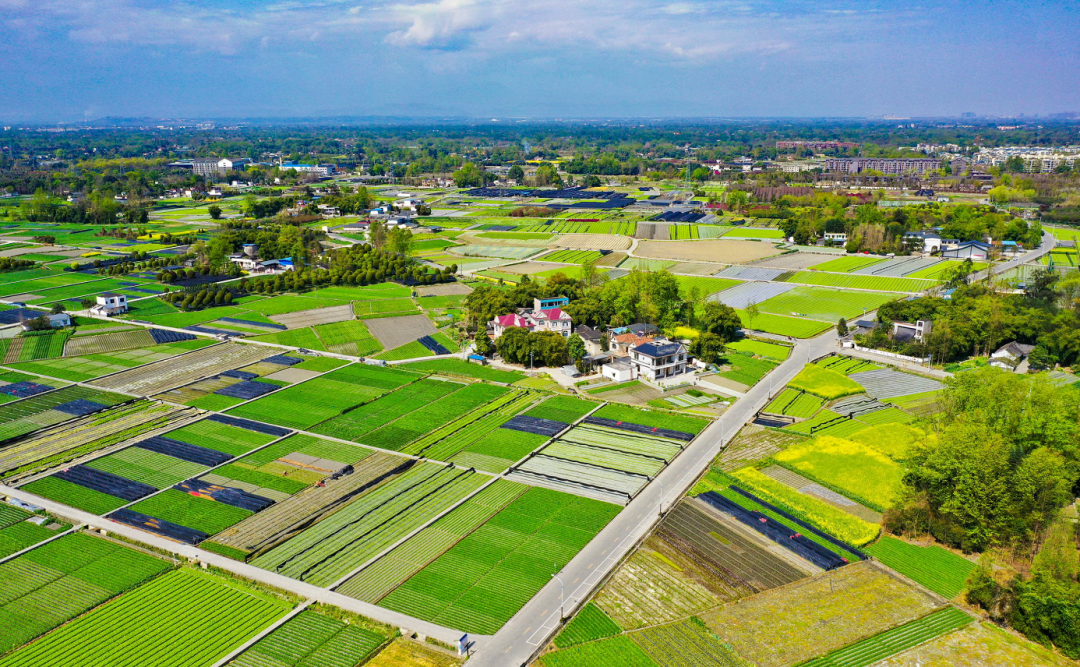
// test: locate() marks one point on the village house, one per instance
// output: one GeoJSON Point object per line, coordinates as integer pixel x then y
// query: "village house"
{"type": "Point", "coordinates": [546, 315]}
{"type": "Point", "coordinates": [109, 304]}
{"type": "Point", "coordinates": [248, 260]}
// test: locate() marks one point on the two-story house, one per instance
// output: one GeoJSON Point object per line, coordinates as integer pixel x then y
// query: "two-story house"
{"type": "Point", "coordinates": [546, 315]}
{"type": "Point", "coordinates": [658, 359]}
{"type": "Point", "coordinates": [109, 304]}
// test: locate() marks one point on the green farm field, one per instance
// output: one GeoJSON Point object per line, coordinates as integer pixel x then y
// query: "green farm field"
{"type": "Point", "coordinates": [827, 305]}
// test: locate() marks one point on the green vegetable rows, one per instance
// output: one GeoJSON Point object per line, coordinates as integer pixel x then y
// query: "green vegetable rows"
{"type": "Point", "coordinates": [183, 619]}
{"type": "Point", "coordinates": [891, 642]}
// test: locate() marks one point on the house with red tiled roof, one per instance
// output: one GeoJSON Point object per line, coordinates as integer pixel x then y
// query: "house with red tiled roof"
{"type": "Point", "coordinates": [543, 317]}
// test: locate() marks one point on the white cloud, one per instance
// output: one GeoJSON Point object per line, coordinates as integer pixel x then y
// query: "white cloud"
{"type": "Point", "coordinates": [681, 30]}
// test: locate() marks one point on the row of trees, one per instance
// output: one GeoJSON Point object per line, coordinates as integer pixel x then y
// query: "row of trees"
{"type": "Point", "coordinates": [977, 319]}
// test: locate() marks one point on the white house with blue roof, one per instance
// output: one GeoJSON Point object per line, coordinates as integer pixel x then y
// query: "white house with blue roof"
{"type": "Point", "coordinates": [658, 360]}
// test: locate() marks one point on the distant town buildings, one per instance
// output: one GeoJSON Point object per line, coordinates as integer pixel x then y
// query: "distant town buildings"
{"type": "Point", "coordinates": [1036, 160]}
{"type": "Point", "coordinates": [317, 169]}
{"type": "Point", "coordinates": [212, 167]}
{"type": "Point", "coordinates": [888, 166]}
{"type": "Point", "coordinates": [815, 145]}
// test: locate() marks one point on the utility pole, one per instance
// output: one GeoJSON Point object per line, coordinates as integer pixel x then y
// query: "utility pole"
{"type": "Point", "coordinates": [661, 497]}
{"type": "Point", "coordinates": [562, 603]}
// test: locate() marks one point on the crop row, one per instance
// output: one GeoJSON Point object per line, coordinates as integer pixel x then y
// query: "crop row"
{"type": "Point", "coordinates": [354, 534]}
{"type": "Point", "coordinates": [375, 581]}
{"type": "Point", "coordinates": [354, 424]}
{"type": "Point", "coordinates": [64, 578]}
{"type": "Point", "coordinates": [891, 642]}
{"type": "Point", "coordinates": [607, 458]}
{"type": "Point", "coordinates": [221, 437]}
{"type": "Point", "coordinates": [443, 443]}
{"type": "Point", "coordinates": [109, 342]}
{"type": "Point", "coordinates": [66, 442]}
{"type": "Point", "coordinates": [317, 400]}
{"type": "Point", "coordinates": [592, 477]}
{"type": "Point", "coordinates": [619, 650]}
{"type": "Point", "coordinates": [142, 465]}
{"type": "Point", "coordinates": [398, 434]}
{"type": "Point", "coordinates": [878, 283]}
{"type": "Point", "coordinates": [795, 403]}
{"type": "Point", "coordinates": [633, 443]}
{"type": "Point", "coordinates": [940, 570]}
{"type": "Point", "coordinates": [309, 639]}
{"type": "Point", "coordinates": [836, 522]}
{"type": "Point", "coordinates": [688, 642]}
{"type": "Point", "coordinates": [487, 577]}
{"type": "Point", "coordinates": [652, 418]}
{"type": "Point", "coordinates": [499, 449]}
{"type": "Point", "coordinates": [183, 619]}
{"type": "Point", "coordinates": [270, 527]}
{"type": "Point", "coordinates": [177, 371]}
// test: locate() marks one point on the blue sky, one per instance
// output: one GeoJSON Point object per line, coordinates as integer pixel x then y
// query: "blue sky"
{"type": "Point", "coordinates": [75, 59]}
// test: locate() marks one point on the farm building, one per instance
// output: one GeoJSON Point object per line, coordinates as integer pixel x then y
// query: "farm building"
{"type": "Point", "coordinates": [966, 249]}
{"type": "Point", "coordinates": [906, 331]}
{"type": "Point", "coordinates": [1012, 357]}
{"type": "Point", "coordinates": [109, 304]}
{"type": "Point", "coordinates": [591, 337]}
{"type": "Point", "coordinates": [249, 261]}
{"type": "Point", "coordinates": [618, 370]}
{"type": "Point", "coordinates": [57, 321]}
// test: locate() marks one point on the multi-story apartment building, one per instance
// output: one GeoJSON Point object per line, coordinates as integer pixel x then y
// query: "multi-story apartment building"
{"type": "Point", "coordinates": [888, 166]}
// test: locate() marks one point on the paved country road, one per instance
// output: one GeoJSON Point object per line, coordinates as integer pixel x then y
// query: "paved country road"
{"type": "Point", "coordinates": [535, 624]}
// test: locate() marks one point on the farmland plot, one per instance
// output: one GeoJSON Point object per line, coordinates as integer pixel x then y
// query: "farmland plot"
{"type": "Point", "coordinates": [311, 639]}
{"type": "Point", "coordinates": [658, 584]}
{"type": "Point", "coordinates": [354, 534]}
{"type": "Point", "coordinates": [376, 580]}
{"type": "Point", "coordinates": [590, 624]}
{"type": "Point", "coordinates": [350, 337]}
{"type": "Point", "coordinates": [315, 401]}
{"type": "Point", "coordinates": [487, 577]}
{"type": "Point", "coordinates": [44, 410]}
{"type": "Point", "coordinates": [864, 282]}
{"type": "Point", "coordinates": [88, 367]}
{"type": "Point", "coordinates": [853, 469]}
{"type": "Point", "coordinates": [821, 303]}
{"type": "Point", "coordinates": [688, 642]}
{"type": "Point", "coordinates": [265, 530]}
{"type": "Point", "coordinates": [194, 618]}
{"type": "Point", "coordinates": [401, 432]}
{"type": "Point", "coordinates": [109, 342]}
{"type": "Point", "coordinates": [938, 569]}
{"type": "Point", "coordinates": [58, 581]}
{"type": "Point", "coordinates": [356, 423]}
{"type": "Point", "coordinates": [175, 372]}
{"type": "Point", "coordinates": [977, 645]}
{"type": "Point", "coordinates": [821, 614]}
{"type": "Point", "coordinates": [619, 650]}
{"type": "Point", "coordinates": [869, 651]}
{"type": "Point", "coordinates": [887, 383]}
{"type": "Point", "coordinates": [394, 332]}
{"type": "Point", "coordinates": [85, 435]}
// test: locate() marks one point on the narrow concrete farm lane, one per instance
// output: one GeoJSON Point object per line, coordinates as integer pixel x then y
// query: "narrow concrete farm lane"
{"type": "Point", "coordinates": [538, 621]}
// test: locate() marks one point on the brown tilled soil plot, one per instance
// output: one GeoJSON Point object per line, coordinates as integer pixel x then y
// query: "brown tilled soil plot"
{"type": "Point", "coordinates": [394, 332]}
{"type": "Point", "coordinates": [446, 289]}
{"type": "Point", "coordinates": [707, 250]}
{"type": "Point", "coordinates": [592, 242]}
{"type": "Point", "coordinates": [653, 230]}
{"type": "Point", "coordinates": [800, 621]}
{"type": "Point", "coordinates": [308, 318]}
